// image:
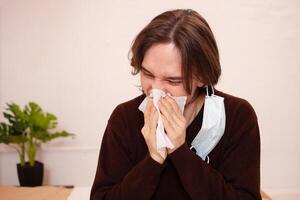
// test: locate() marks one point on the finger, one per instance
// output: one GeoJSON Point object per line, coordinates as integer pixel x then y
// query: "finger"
{"type": "Point", "coordinates": [175, 108]}
{"type": "Point", "coordinates": [154, 119]}
{"type": "Point", "coordinates": [144, 131]}
{"type": "Point", "coordinates": [172, 103]}
{"type": "Point", "coordinates": [167, 125]}
{"type": "Point", "coordinates": [170, 115]}
{"type": "Point", "coordinates": [152, 113]}
{"type": "Point", "coordinates": [147, 111]}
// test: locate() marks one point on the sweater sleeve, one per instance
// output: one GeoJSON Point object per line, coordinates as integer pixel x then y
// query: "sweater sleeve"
{"type": "Point", "coordinates": [116, 175]}
{"type": "Point", "coordinates": [238, 176]}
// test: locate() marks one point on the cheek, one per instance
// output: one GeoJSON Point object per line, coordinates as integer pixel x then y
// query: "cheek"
{"type": "Point", "coordinates": [146, 84]}
{"type": "Point", "coordinates": [177, 90]}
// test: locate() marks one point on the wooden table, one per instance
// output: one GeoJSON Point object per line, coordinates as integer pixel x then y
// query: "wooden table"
{"type": "Point", "coordinates": [34, 193]}
{"type": "Point", "coordinates": [53, 193]}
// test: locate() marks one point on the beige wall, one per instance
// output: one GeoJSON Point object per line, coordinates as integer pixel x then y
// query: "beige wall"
{"type": "Point", "coordinates": [71, 58]}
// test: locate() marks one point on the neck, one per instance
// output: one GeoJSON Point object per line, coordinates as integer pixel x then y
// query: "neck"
{"type": "Point", "coordinates": [192, 109]}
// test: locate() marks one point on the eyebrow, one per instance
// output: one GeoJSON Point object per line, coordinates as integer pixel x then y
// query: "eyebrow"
{"type": "Point", "coordinates": [175, 78]}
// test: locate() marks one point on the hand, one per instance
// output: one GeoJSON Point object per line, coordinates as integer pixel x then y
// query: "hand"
{"type": "Point", "coordinates": [149, 131]}
{"type": "Point", "coordinates": [174, 121]}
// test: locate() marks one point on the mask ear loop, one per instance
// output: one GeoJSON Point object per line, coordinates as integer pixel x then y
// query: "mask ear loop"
{"type": "Point", "coordinates": [207, 94]}
{"type": "Point", "coordinates": [207, 159]}
{"type": "Point", "coordinates": [213, 90]}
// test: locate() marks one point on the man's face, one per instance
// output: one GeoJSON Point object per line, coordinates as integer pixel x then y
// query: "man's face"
{"type": "Point", "coordinates": [161, 69]}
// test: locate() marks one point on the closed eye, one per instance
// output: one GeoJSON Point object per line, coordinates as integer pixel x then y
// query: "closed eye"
{"type": "Point", "coordinates": [147, 73]}
{"type": "Point", "coordinates": [174, 82]}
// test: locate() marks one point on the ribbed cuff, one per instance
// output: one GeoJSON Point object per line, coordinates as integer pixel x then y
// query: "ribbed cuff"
{"type": "Point", "coordinates": [182, 154]}
{"type": "Point", "coordinates": [151, 164]}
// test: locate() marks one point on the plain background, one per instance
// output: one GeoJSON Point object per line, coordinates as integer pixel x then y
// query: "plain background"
{"type": "Point", "coordinates": [71, 57]}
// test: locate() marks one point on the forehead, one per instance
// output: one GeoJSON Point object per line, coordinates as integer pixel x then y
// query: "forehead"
{"type": "Point", "coordinates": [163, 60]}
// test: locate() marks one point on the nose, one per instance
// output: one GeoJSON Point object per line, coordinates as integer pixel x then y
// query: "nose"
{"type": "Point", "coordinates": [159, 84]}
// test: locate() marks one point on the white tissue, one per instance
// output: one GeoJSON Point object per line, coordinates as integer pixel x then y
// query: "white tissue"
{"type": "Point", "coordinates": [162, 140]}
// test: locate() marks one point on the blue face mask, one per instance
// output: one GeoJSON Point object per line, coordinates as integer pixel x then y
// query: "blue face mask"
{"type": "Point", "coordinates": [213, 126]}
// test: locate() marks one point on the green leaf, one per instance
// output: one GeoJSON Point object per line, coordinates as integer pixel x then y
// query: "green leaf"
{"type": "Point", "coordinates": [16, 110]}
{"type": "Point", "coordinates": [28, 127]}
{"type": "Point", "coordinates": [47, 136]}
{"type": "Point", "coordinates": [18, 139]}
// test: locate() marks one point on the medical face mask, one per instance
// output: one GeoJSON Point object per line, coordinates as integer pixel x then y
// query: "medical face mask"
{"type": "Point", "coordinates": [213, 126]}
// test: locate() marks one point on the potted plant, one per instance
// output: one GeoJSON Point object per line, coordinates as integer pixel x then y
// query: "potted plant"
{"type": "Point", "coordinates": [25, 131]}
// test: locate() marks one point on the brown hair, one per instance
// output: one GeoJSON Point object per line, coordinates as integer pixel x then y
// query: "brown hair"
{"type": "Point", "coordinates": [192, 35]}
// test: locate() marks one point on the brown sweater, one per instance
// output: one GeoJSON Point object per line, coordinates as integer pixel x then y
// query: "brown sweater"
{"type": "Point", "coordinates": [126, 171]}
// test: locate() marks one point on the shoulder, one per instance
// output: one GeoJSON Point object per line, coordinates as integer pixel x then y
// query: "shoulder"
{"type": "Point", "coordinates": [132, 104]}
{"type": "Point", "coordinates": [241, 119]}
{"type": "Point", "coordinates": [127, 111]}
{"type": "Point", "coordinates": [237, 107]}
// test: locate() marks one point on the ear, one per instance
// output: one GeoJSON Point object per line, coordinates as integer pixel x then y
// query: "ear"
{"type": "Point", "coordinates": [199, 83]}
